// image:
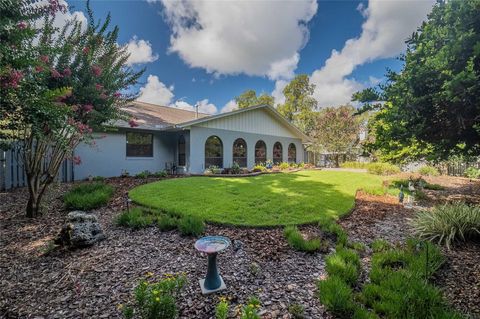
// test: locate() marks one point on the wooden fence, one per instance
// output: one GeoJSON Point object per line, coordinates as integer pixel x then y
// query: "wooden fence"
{"type": "Point", "coordinates": [12, 171]}
{"type": "Point", "coordinates": [457, 169]}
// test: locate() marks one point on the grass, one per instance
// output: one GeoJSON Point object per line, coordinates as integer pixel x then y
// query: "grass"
{"type": "Point", "coordinates": [296, 240]}
{"type": "Point", "coordinates": [88, 196]}
{"type": "Point", "coordinates": [265, 200]}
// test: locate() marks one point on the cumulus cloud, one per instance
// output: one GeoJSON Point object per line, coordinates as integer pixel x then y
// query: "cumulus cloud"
{"type": "Point", "coordinates": [230, 106]}
{"type": "Point", "coordinates": [259, 38]}
{"type": "Point", "coordinates": [388, 24]}
{"type": "Point", "coordinates": [140, 51]}
{"type": "Point", "coordinates": [156, 92]}
{"type": "Point", "coordinates": [62, 18]}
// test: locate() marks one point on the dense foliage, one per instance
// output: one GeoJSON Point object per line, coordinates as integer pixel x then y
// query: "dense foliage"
{"type": "Point", "coordinates": [57, 85]}
{"type": "Point", "coordinates": [88, 196]}
{"type": "Point", "coordinates": [432, 107]}
{"type": "Point", "coordinates": [250, 98]}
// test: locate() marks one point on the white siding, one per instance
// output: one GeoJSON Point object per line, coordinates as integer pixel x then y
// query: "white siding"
{"type": "Point", "coordinates": [256, 121]}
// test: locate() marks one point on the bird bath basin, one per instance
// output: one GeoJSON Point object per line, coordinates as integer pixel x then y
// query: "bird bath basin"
{"type": "Point", "coordinates": [212, 245]}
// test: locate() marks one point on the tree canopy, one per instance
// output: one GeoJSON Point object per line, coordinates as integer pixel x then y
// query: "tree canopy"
{"type": "Point", "coordinates": [250, 98]}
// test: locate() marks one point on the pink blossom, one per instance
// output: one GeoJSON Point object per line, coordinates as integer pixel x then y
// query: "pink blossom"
{"type": "Point", "coordinates": [15, 77]}
{"type": "Point", "coordinates": [117, 94]}
{"type": "Point", "coordinates": [132, 123]}
{"type": "Point", "coordinates": [71, 121]}
{"type": "Point", "coordinates": [98, 87]}
{"type": "Point", "coordinates": [44, 58]}
{"type": "Point", "coordinates": [39, 68]}
{"type": "Point", "coordinates": [87, 108]}
{"type": "Point", "coordinates": [96, 70]}
{"type": "Point", "coordinates": [103, 96]}
{"type": "Point", "coordinates": [55, 74]}
{"type": "Point", "coordinates": [86, 50]}
{"type": "Point", "coordinates": [76, 160]}
{"type": "Point", "coordinates": [55, 6]}
{"type": "Point", "coordinates": [67, 72]}
{"type": "Point", "coordinates": [22, 25]}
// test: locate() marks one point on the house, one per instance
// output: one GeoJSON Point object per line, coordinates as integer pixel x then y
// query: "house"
{"type": "Point", "coordinates": [190, 141]}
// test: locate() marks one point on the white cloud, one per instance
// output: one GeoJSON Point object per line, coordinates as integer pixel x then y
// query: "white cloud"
{"type": "Point", "coordinates": [62, 18]}
{"type": "Point", "coordinates": [230, 106]}
{"type": "Point", "coordinates": [388, 24]}
{"type": "Point", "coordinates": [140, 51]}
{"type": "Point", "coordinates": [203, 106]}
{"type": "Point", "coordinates": [278, 91]}
{"type": "Point", "coordinates": [259, 38]}
{"type": "Point", "coordinates": [156, 92]}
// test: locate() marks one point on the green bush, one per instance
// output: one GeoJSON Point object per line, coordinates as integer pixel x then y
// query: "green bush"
{"type": "Point", "coordinates": [472, 172]}
{"type": "Point", "coordinates": [337, 296]}
{"type": "Point", "coordinates": [345, 264]}
{"type": "Point", "coordinates": [136, 218]}
{"type": "Point", "coordinates": [191, 225]}
{"type": "Point", "coordinates": [143, 174]}
{"type": "Point", "coordinates": [259, 168]}
{"type": "Point", "coordinates": [383, 169]}
{"type": "Point", "coordinates": [329, 226]}
{"type": "Point", "coordinates": [448, 223]}
{"type": "Point", "coordinates": [160, 174]}
{"type": "Point", "coordinates": [356, 165]}
{"type": "Point", "coordinates": [375, 190]}
{"type": "Point", "coordinates": [166, 222]}
{"type": "Point", "coordinates": [250, 310]}
{"type": "Point", "coordinates": [156, 299]}
{"type": "Point", "coordinates": [88, 196]}
{"type": "Point", "coordinates": [433, 187]}
{"type": "Point", "coordinates": [380, 245]}
{"type": "Point", "coordinates": [428, 170]}
{"type": "Point", "coordinates": [296, 240]}
{"type": "Point", "coordinates": [221, 310]}
{"type": "Point", "coordinates": [284, 165]}
{"type": "Point", "coordinates": [296, 311]}
{"type": "Point", "coordinates": [98, 178]}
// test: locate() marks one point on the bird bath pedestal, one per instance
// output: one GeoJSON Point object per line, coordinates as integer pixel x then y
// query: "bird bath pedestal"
{"type": "Point", "coordinates": [212, 245]}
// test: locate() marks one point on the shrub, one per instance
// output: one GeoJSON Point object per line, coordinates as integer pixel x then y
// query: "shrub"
{"type": "Point", "coordinates": [191, 225]}
{"type": "Point", "coordinates": [433, 187]}
{"type": "Point", "coordinates": [160, 174]}
{"type": "Point", "coordinates": [221, 310]}
{"type": "Point", "coordinates": [88, 196]}
{"type": "Point", "coordinates": [359, 247]}
{"type": "Point", "coordinates": [375, 190]}
{"type": "Point", "coordinates": [472, 172]}
{"type": "Point", "coordinates": [156, 299]}
{"type": "Point", "coordinates": [236, 168]}
{"type": "Point", "coordinates": [337, 296]}
{"type": "Point", "coordinates": [428, 170]}
{"type": "Point", "coordinates": [296, 240]}
{"type": "Point", "coordinates": [344, 264]}
{"type": "Point", "coordinates": [250, 310]}
{"type": "Point", "coordinates": [357, 165]}
{"type": "Point", "coordinates": [284, 165]}
{"type": "Point", "coordinates": [329, 226]}
{"type": "Point", "coordinates": [143, 174]}
{"type": "Point", "coordinates": [301, 165]}
{"type": "Point", "coordinates": [135, 218]}
{"type": "Point", "coordinates": [383, 169]}
{"type": "Point", "coordinates": [166, 222]}
{"type": "Point", "coordinates": [98, 178]}
{"type": "Point", "coordinates": [297, 311]}
{"type": "Point", "coordinates": [448, 223]}
{"type": "Point", "coordinates": [259, 168]}
{"type": "Point", "coordinates": [380, 245]}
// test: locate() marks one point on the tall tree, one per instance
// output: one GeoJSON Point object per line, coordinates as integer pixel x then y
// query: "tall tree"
{"type": "Point", "coordinates": [337, 130]}
{"type": "Point", "coordinates": [300, 106]}
{"type": "Point", "coordinates": [57, 86]}
{"type": "Point", "coordinates": [250, 98]}
{"type": "Point", "coordinates": [432, 107]}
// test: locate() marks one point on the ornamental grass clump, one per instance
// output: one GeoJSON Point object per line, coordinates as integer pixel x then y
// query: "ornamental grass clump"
{"type": "Point", "coordinates": [344, 264]}
{"type": "Point", "coordinates": [156, 299]}
{"type": "Point", "coordinates": [190, 225]}
{"type": "Point", "coordinates": [337, 296]}
{"type": "Point", "coordinates": [135, 218]}
{"type": "Point", "coordinates": [382, 169]}
{"type": "Point", "coordinates": [448, 223]}
{"type": "Point", "coordinates": [428, 170]}
{"type": "Point", "coordinates": [296, 241]}
{"type": "Point", "coordinates": [88, 196]}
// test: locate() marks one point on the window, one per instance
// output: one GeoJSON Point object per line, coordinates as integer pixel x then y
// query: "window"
{"type": "Point", "coordinates": [260, 152]}
{"type": "Point", "coordinates": [139, 144]}
{"type": "Point", "coordinates": [213, 152]}
{"type": "Point", "coordinates": [292, 153]}
{"type": "Point", "coordinates": [181, 151]}
{"type": "Point", "coordinates": [277, 153]}
{"type": "Point", "coordinates": [240, 152]}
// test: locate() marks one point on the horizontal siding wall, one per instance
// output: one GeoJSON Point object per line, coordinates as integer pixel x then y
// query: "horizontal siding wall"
{"type": "Point", "coordinates": [108, 157]}
{"type": "Point", "coordinates": [256, 121]}
{"type": "Point", "coordinates": [199, 135]}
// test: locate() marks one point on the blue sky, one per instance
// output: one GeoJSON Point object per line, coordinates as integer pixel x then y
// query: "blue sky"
{"type": "Point", "coordinates": [208, 52]}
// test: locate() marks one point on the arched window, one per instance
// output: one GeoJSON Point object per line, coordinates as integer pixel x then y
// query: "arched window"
{"type": "Point", "coordinates": [213, 152]}
{"type": "Point", "coordinates": [260, 152]}
{"type": "Point", "coordinates": [292, 153]}
{"type": "Point", "coordinates": [277, 153]}
{"type": "Point", "coordinates": [181, 151]}
{"type": "Point", "coordinates": [240, 152]}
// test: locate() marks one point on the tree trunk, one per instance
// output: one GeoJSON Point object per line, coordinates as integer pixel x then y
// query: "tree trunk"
{"type": "Point", "coordinates": [337, 163]}
{"type": "Point", "coordinates": [35, 197]}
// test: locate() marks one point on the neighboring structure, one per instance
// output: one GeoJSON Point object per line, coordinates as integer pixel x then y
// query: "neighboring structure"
{"type": "Point", "coordinates": [191, 141]}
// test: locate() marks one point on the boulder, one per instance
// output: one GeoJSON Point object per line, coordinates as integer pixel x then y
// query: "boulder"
{"type": "Point", "coordinates": [80, 230]}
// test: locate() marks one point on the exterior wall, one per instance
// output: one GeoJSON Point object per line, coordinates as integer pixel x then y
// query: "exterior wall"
{"type": "Point", "coordinates": [199, 135]}
{"type": "Point", "coordinates": [258, 121]}
{"type": "Point", "coordinates": [108, 157]}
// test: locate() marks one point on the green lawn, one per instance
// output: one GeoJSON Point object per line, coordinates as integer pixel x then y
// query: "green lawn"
{"type": "Point", "coordinates": [265, 200]}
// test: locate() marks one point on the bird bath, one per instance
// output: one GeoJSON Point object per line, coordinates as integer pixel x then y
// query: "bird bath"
{"type": "Point", "coordinates": [212, 245]}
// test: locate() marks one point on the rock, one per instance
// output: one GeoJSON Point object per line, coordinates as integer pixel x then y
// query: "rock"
{"type": "Point", "coordinates": [237, 245]}
{"type": "Point", "coordinates": [80, 230]}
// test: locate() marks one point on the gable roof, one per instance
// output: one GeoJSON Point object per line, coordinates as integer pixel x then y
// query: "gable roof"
{"type": "Point", "coordinates": [154, 117]}
{"type": "Point", "coordinates": [271, 110]}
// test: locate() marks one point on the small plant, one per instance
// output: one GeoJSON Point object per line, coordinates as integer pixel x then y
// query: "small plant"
{"type": "Point", "coordinates": [337, 296]}
{"type": "Point", "coordinates": [156, 299]}
{"type": "Point", "coordinates": [296, 240]}
{"type": "Point", "coordinates": [254, 269]}
{"type": "Point", "coordinates": [98, 178]}
{"type": "Point", "coordinates": [448, 223]}
{"type": "Point", "coordinates": [191, 225]}
{"type": "Point", "coordinates": [166, 222]}
{"type": "Point", "coordinates": [428, 171]}
{"type": "Point", "coordinates": [356, 165]}
{"type": "Point", "coordinates": [376, 191]}
{"type": "Point", "coordinates": [345, 264]}
{"type": "Point", "coordinates": [382, 169]}
{"type": "Point", "coordinates": [222, 308]}
{"type": "Point", "coordinates": [329, 226]}
{"type": "Point", "coordinates": [297, 311]}
{"type": "Point", "coordinates": [472, 172]}
{"type": "Point", "coordinates": [433, 187]}
{"type": "Point", "coordinates": [420, 195]}
{"type": "Point", "coordinates": [136, 218]}
{"type": "Point", "coordinates": [124, 173]}
{"type": "Point", "coordinates": [284, 165]}
{"type": "Point", "coordinates": [380, 245]}
{"type": "Point", "coordinates": [160, 174]}
{"type": "Point", "coordinates": [235, 169]}
{"type": "Point", "coordinates": [143, 174]}
{"type": "Point", "coordinates": [250, 310]}
{"type": "Point", "coordinates": [301, 165]}
{"type": "Point", "coordinates": [259, 168]}
{"type": "Point", "coordinates": [88, 196]}
{"type": "Point", "coordinates": [360, 247]}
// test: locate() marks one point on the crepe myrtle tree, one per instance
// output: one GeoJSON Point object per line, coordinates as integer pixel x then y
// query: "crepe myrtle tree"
{"type": "Point", "coordinates": [57, 87]}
